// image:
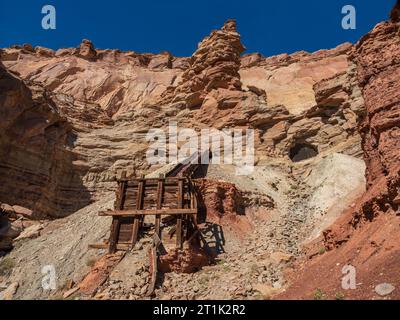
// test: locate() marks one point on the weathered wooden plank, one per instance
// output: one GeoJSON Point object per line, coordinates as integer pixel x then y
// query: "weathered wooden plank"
{"type": "Point", "coordinates": [135, 212]}
{"type": "Point", "coordinates": [114, 235]}
{"type": "Point", "coordinates": [153, 264]}
{"type": "Point", "coordinates": [116, 223]}
{"type": "Point", "coordinates": [139, 205]}
{"type": "Point", "coordinates": [170, 181]}
{"type": "Point", "coordinates": [179, 220]}
{"type": "Point", "coordinates": [160, 191]}
{"type": "Point", "coordinates": [119, 246]}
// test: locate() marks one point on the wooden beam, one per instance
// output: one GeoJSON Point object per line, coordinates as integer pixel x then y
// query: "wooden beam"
{"type": "Point", "coordinates": [116, 223]}
{"type": "Point", "coordinates": [152, 182]}
{"type": "Point", "coordinates": [115, 226]}
{"type": "Point", "coordinates": [135, 212]}
{"type": "Point", "coordinates": [179, 220]}
{"type": "Point", "coordinates": [139, 205]}
{"type": "Point", "coordinates": [153, 264]}
{"type": "Point", "coordinates": [119, 246]}
{"type": "Point", "coordinates": [160, 191]}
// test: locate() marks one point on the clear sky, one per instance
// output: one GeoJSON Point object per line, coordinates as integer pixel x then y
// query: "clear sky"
{"type": "Point", "coordinates": [269, 27]}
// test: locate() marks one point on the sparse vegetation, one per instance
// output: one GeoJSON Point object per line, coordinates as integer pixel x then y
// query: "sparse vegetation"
{"type": "Point", "coordinates": [322, 250]}
{"type": "Point", "coordinates": [204, 281]}
{"type": "Point", "coordinates": [90, 262]}
{"type": "Point", "coordinates": [319, 295]}
{"type": "Point", "coordinates": [226, 268]}
{"type": "Point", "coordinates": [339, 296]}
{"type": "Point", "coordinates": [6, 266]}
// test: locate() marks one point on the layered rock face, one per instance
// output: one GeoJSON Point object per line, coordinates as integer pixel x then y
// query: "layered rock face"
{"type": "Point", "coordinates": [366, 235]}
{"type": "Point", "coordinates": [35, 165]}
{"type": "Point", "coordinates": [312, 99]}
{"type": "Point", "coordinates": [378, 73]}
{"type": "Point", "coordinates": [59, 141]}
{"type": "Point", "coordinates": [105, 101]}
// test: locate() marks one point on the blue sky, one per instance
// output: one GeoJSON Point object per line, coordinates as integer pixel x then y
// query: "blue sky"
{"type": "Point", "coordinates": [269, 27]}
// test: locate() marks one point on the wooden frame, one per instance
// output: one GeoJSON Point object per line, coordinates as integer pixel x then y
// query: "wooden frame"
{"type": "Point", "coordinates": [140, 197]}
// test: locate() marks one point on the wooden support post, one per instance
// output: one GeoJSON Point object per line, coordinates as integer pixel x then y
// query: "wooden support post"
{"type": "Point", "coordinates": [114, 235]}
{"type": "Point", "coordinates": [122, 191]}
{"type": "Point", "coordinates": [139, 206]}
{"type": "Point", "coordinates": [116, 223]}
{"type": "Point", "coordinates": [193, 218]}
{"type": "Point", "coordinates": [179, 220]}
{"type": "Point", "coordinates": [160, 191]}
{"type": "Point", "coordinates": [153, 264]}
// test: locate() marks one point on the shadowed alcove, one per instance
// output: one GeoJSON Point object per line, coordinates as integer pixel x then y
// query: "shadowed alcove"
{"type": "Point", "coordinates": [302, 151]}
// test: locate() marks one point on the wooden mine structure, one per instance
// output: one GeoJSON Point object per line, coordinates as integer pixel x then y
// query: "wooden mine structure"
{"type": "Point", "coordinates": [140, 197]}
{"type": "Point", "coordinates": [171, 195]}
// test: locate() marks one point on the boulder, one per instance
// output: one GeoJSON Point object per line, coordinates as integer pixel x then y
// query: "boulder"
{"type": "Point", "coordinates": [384, 289]}
{"type": "Point", "coordinates": [30, 232]}
{"type": "Point", "coordinates": [25, 212]}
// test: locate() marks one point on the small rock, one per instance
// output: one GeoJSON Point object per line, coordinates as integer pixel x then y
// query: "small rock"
{"type": "Point", "coordinates": [384, 289]}
{"type": "Point", "coordinates": [9, 293]}
{"type": "Point", "coordinates": [115, 286]}
{"type": "Point", "coordinates": [143, 290]}
{"type": "Point", "coordinates": [69, 284]}
{"type": "Point", "coordinates": [279, 257]}
{"type": "Point", "coordinates": [249, 288]}
{"type": "Point", "coordinates": [102, 296]}
{"type": "Point", "coordinates": [266, 290]}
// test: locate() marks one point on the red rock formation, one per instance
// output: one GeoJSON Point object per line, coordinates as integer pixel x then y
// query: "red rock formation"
{"type": "Point", "coordinates": [224, 205]}
{"type": "Point", "coordinates": [188, 260]}
{"type": "Point", "coordinates": [378, 72]}
{"type": "Point", "coordinates": [378, 67]}
{"type": "Point", "coordinates": [366, 236]}
{"type": "Point", "coordinates": [214, 65]}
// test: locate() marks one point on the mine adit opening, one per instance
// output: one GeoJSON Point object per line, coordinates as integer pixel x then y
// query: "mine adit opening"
{"type": "Point", "coordinates": [302, 151]}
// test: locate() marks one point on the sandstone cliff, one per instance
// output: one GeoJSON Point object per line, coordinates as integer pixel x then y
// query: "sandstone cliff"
{"type": "Point", "coordinates": [109, 99]}
{"type": "Point", "coordinates": [36, 164]}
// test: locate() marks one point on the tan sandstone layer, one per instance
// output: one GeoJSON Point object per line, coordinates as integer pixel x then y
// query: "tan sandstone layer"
{"type": "Point", "coordinates": [100, 104]}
